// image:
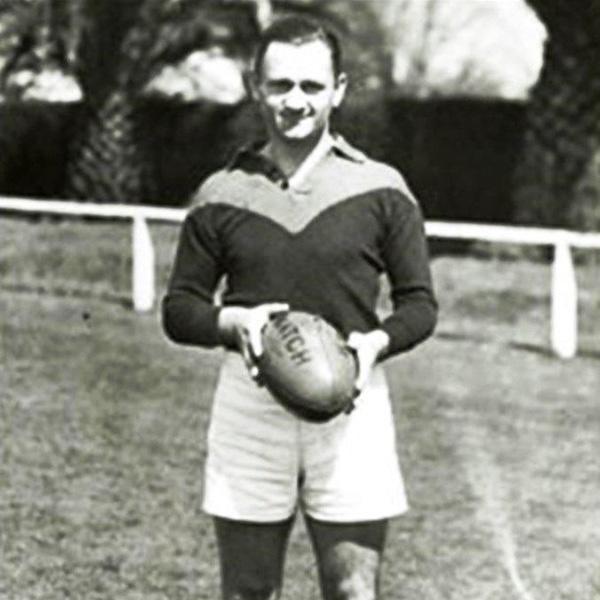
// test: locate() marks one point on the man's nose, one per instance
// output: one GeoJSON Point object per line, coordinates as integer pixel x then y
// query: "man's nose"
{"type": "Point", "coordinates": [295, 99]}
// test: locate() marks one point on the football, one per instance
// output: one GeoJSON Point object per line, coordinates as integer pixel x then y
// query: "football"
{"type": "Point", "coordinates": [307, 366]}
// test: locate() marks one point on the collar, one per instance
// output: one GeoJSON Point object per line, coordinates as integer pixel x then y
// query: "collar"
{"type": "Point", "coordinates": [342, 148]}
{"type": "Point", "coordinates": [250, 159]}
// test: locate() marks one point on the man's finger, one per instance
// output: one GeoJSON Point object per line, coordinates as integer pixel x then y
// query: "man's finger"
{"type": "Point", "coordinates": [360, 379]}
{"type": "Point", "coordinates": [353, 340]}
{"type": "Point", "coordinates": [255, 339]}
{"type": "Point", "coordinates": [247, 356]}
{"type": "Point", "coordinates": [258, 323]}
{"type": "Point", "coordinates": [276, 307]}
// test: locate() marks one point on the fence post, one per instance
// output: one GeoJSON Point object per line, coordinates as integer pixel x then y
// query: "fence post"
{"type": "Point", "coordinates": [564, 302]}
{"type": "Point", "coordinates": [143, 266]}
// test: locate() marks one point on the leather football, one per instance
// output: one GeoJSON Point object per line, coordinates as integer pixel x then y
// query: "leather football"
{"type": "Point", "coordinates": [307, 366]}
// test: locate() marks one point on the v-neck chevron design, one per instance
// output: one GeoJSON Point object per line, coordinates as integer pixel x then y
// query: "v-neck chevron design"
{"type": "Point", "coordinates": [321, 248]}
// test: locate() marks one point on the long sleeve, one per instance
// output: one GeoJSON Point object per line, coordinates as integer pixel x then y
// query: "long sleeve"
{"type": "Point", "coordinates": [188, 311]}
{"type": "Point", "coordinates": [406, 261]}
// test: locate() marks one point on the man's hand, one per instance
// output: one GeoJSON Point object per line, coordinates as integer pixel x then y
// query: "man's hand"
{"type": "Point", "coordinates": [368, 348]}
{"type": "Point", "coordinates": [243, 326]}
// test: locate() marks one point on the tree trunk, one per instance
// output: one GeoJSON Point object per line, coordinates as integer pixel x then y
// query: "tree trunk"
{"type": "Point", "coordinates": [558, 178]}
{"type": "Point", "coordinates": [106, 163]}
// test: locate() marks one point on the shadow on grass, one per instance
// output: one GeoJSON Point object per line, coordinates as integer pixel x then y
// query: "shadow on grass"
{"type": "Point", "coordinates": [456, 336]}
{"type": "Point", "coordinates": [581, 352]}
{"type": "Point", "coordinates": [544, 351]}
{"type": "Point", "coordinates": [453, 336]}
{"type": "Point", "coordinates": [63, 292]}
{"type": "Point", "coordinates": [587, 353]}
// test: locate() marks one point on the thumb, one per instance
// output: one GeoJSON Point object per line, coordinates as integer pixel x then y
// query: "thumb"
{"type": "Point", "coordinates": [276, 307]}
{"type": "Point", "coordinates": [258, 322]}
{"type": "Point", "coordinates": [361, 377]}
{"type": "Point", "coordinates": [247, 355]}
{"type": "Point", "coordinates": [354, 343]}
{"type": "Point", "coordinates": [354, 340]}
{"type": "Point", "coordinates": [255, 338]}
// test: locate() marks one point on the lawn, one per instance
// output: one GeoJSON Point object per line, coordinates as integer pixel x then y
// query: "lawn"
{"type": "Point", "coordinates": [103, 422]}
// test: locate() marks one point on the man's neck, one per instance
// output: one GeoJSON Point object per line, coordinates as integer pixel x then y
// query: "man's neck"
{"type": "Point", "coordinates": [292, 158]}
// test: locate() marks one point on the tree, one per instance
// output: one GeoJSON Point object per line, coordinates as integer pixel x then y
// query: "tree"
{"type": "Point", "coordinates": [104, 162]}
{"type": "Point", "coordinates": [558, 180]}
{"type": "Point", "coordinates": [113, 48]}
{"type": "Point", "coordinates": [121, 46]}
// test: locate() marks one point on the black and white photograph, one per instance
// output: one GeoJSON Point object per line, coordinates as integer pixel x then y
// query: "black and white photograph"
{"type": "Point", "coordinates": [299, 300]}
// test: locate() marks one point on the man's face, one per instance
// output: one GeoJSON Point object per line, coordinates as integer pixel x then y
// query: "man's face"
{"type": "Point", "coordinates": [297, 89]}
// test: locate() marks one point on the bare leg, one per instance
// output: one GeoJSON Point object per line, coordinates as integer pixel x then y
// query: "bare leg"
{"type": "Point", "coordinates": [349, 557]}
{"type": "Point", "coordinates": [252, 556]}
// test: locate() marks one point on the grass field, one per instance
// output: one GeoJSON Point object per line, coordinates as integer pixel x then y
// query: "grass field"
{"type": "Point", "coordinates": [102, 436]}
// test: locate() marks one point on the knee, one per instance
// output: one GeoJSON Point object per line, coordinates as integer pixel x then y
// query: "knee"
{"type": "Point", "coordinates": [349, 577]}
{"type": "Point", "coordinates": [353, 587]}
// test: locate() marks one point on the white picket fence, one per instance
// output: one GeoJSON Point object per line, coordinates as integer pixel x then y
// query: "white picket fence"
{"type": "Point", "coordinates": [563, 326]}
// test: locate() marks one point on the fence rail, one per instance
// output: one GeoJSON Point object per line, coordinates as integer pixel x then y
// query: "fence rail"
{"type": "Point", "coordinates": [563, 326]}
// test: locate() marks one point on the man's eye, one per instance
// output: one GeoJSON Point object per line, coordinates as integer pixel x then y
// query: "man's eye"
{"type": "Point", "coordinates": [279, 86]}
{"type": "Point", "coordinates": [312, 87]}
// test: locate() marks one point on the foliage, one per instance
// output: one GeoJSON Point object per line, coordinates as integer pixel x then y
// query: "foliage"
{"type": "Point", "coordinates": [444, 48]}
{"type": "Point", "coordinates": [557, 182]}
{"type": "Point", "coordinates": [434, 143]}
{"type": "Point", "coordinates": [108, 44]}
{"type": "Point", "coordinates": [33, 148]}
{"type": "Point", "coordinates": [154, 33]}
{"type": "Point", "coordinates": [19, 24]}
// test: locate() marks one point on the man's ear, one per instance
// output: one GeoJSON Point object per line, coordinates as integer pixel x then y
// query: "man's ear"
{"type": "Point", "coordinates": [251, 85]}
{"type": "Point", "coordinates": [341, 84]}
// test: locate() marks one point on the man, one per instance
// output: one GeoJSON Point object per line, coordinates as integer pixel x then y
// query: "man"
{"type": "Point", "coordinates": [305, 222]}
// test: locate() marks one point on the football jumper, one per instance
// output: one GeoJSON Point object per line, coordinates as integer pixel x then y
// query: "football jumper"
{"type": "Point", "coordinates": [321, 249]}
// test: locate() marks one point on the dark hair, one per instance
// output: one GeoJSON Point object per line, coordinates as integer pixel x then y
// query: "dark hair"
{"type": "Point", "coordinates": [298, 30]}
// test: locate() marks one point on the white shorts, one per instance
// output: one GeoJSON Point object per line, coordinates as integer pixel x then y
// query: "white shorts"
{"type": "Point", "coordinates": [263, 462]}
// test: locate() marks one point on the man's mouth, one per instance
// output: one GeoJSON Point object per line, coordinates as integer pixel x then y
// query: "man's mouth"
{"type": "Point", "coordinates": [293, 121]}
{"type": "Point", "coordinates": [293, 117]}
